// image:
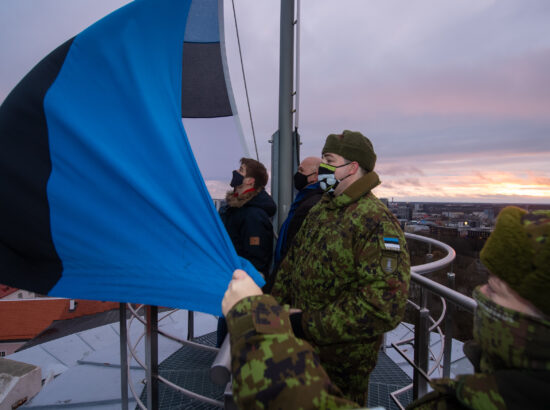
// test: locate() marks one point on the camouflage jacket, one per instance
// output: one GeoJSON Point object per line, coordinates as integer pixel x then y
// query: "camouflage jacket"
{"type": "Point", "coordinates": [348, 270]}
{"type": "Point", "coordinates": [271, 368]}
{"type": "Point", "coordinates": [511, 356]}
{"type": "Point", "coordinates": [502, 390]}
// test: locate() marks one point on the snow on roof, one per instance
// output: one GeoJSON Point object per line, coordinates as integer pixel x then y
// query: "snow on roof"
{"type": "Point", "coordinates": [83, 370]}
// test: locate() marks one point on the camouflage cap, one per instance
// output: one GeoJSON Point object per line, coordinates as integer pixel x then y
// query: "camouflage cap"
{"type": "Point", "coordinates": [518, 252]}
{"type": "Point", "coordinates": [353, 146]}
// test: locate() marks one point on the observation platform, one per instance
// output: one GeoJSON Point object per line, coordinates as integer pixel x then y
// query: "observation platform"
{"type": "Point", "coordinates": [189, 368]}
{"type": "Point", "coordinates": [83, 369]}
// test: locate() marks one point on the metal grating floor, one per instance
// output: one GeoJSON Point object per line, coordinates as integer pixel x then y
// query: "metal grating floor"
{"type": "Point", "coordinates": [387, 377]}
{"type": "Point", "coordinates": [190, 368]}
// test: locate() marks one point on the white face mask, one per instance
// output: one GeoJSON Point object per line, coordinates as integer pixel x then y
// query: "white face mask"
{"type": "Point", "coordinates": [326, 177]}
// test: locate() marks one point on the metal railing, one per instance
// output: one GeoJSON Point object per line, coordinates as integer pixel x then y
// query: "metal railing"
{"type": "Point", "coordinates": [221, 369]}
{"type": "Point", "coordinates": [425, 324]}
{"type": "Point", "coordinates": [150, 320]}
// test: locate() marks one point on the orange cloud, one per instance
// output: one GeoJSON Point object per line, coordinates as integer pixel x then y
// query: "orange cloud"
{"type": "Point", "coordinates": [473, 186]}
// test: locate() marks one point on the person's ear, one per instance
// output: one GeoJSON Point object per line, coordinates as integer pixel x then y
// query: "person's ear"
{"type": "Point", "coordinates": [251, 181]}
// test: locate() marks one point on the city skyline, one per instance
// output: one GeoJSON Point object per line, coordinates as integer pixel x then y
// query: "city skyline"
{"type": "Point", "coordinates": [454, 95]}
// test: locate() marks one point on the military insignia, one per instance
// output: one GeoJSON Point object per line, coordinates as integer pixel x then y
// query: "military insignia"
{"type": "Point", "coordinates": [392, 244]}
{"type": "Point", "coordinates": [254, 241]}
{"type": "Point", "coordinates": [388, 263]}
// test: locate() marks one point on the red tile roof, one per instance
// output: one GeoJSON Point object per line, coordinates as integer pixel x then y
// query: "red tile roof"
{"type": "Point", "coordinates": [6, 290]}
{"type": "Point", "coordinates": [24, 319]}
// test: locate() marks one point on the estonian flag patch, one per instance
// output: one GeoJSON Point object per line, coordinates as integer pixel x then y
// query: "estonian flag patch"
{"type": "Point", "coordinates": [392, 244]}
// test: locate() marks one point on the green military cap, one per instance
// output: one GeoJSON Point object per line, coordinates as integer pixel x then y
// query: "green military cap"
{"type": "Point", "coordinates": [353, 146]}
{"type": "Point", "coordinates": [518, 252]}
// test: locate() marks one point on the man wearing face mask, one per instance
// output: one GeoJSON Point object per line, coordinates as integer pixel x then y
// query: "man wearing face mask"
{"type": "Point", "coordinates": [309, 193]}
{"type": "Point", "coordinates": [346, 274]}
{"type": "Point", "coordinates": [247, 219]}
{"type": "Point", "coordinates": [511, 335]}
{"type": "Point", "coordinates": [247, 214]}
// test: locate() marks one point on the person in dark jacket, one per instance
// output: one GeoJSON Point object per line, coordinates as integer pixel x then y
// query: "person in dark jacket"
{"type": "Point", "coordinates": [247, 214]}
{"type": "Point", "coordinates": [309, 193]}
{"type": "Point", "coordinates": [247, 219]}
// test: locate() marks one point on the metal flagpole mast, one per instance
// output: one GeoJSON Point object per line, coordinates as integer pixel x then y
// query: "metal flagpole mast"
{"type": "Point", "coordinates": [284, 145]}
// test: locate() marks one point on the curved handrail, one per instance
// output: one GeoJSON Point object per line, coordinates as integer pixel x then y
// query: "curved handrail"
{"type": "Point", "coordinates": [436, 265]}
{"type": "Point", "coordinates": [418, 271]}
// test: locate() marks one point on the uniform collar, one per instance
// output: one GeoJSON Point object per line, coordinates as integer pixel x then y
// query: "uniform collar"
{"type": "Point", "coordinates": [358, 189]}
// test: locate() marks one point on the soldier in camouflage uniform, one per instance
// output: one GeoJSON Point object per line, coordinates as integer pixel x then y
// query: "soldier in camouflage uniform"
{"type": "Point", "coordinates": [271, 368]}
{"type": "Point", "coordinates": [511, 323]}
{"type": "Point", "coordinates": [347, 272]}
{"type": "Point", "coordinates": [274, 369]}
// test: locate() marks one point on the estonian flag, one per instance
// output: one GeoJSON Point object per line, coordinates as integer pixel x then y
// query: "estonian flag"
{"type": "Point", "coordinates": [101, 197]}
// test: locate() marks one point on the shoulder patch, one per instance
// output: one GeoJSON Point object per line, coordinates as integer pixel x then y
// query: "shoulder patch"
{"type": "Point", "coordinates": [254, 241]}
{"type": "Point", "coordinates": [392, 244]}
{"type": "Point", "coordinates": [388, 263]}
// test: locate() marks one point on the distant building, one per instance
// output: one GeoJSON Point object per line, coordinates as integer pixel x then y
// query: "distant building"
{"type": "Point", "coordinates": [402, 212]}
{"type": "Point", "coordinates": [490, 214]}
{"type": "Point", "coordinates": [439, 231]}
{"type": "Point", "coordinates": [384, 201]}
{"type": "Point", "coordinates": [402, 223]}
{"type": "Point", "coordinates": [474, 223]}
{"type": "Point", "coordinates": [464, 223]}
{"type": "Point", "coordinates": [416, 228]}
{"type": "Point", "coordinates": [453, 215]}
{"type": "Point", "coordinates": [479, 233]}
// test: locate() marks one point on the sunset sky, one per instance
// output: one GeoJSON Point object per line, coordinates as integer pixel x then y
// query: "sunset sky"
{"type": "Point", "coordinates": [454, 94]}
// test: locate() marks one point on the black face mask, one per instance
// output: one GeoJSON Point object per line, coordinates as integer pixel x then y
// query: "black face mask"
{"type": "Point", "coordinates": [327, 179]}
{"type": "Point", "coordinates": [237, 179]}
{"type": "Point", "coordinates": [300, 180]}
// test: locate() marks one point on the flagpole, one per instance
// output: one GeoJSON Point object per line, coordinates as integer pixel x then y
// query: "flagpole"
{"type": "Point", "coordinates": [285, 142]}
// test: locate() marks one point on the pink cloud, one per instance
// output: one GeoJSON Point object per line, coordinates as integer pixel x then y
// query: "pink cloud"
{"type": "Point", "coordinates": [396, 170]}
{"type": "Point", "coordinates": [472, 185]}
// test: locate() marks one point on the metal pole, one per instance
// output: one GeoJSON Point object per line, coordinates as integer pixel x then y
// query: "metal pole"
{"type": "Point", "coordinates": [421, 346]}
{"type": "Point", "coordinates": [275, 176]}
{"type": "Point", "coordinates": [151, 358]}
{"type": "Point", "coordinates": [123, 335]}
{"type": "Point", "coordinates": [286, 84]}
{"type": "Point", "coordinates": [448, 330]}
{"type": "Point", "coordinates": [220, 371]}
{"type": "Point", "coordinates": [190, 324]}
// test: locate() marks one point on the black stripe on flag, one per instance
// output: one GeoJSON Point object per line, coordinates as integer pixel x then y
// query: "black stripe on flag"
{"type": "Point", "coordinates": [204, 91]}
{"type": "Point", "coordinates": [28, 259]}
